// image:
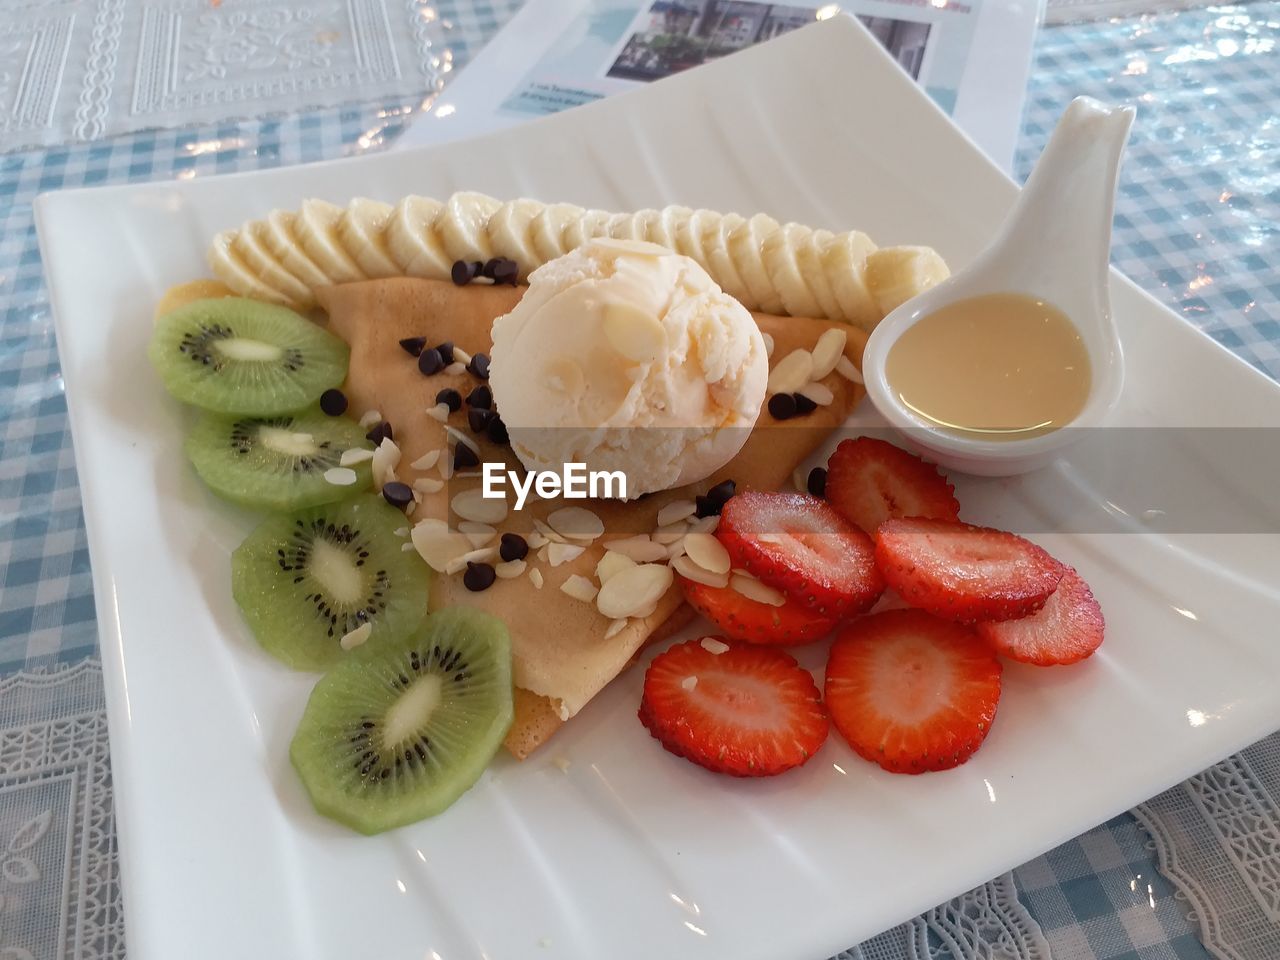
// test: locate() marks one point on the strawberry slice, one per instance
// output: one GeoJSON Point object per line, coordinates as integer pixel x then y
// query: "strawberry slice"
{"type": "Point", "coordinates": [870, 481]}
{"type": "Point", "coordinates": [801, 546]}
{"type": "Point", "coordinates": [1066, 629]}
{"type": "Point", "coordinates": [911, 692]}
{"type": "Point", "coordinates": [741, 618]}
{"type": "Point", "coordinates": [732, 708]}
{"type": "Point", "coordinates": [965, 573]}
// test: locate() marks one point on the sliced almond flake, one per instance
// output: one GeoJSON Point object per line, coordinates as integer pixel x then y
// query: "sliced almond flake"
{"type": "Point", "coordinates": [688, 683]}
{"type": "Point", "coordinates": [690, 570]}
{"type": "Point", "coordinates": [542, 551]}
{"type": "Point", "coordinates": [455, 369]}
{"type": "Point", "coordinates": [370, 418]}
{"type": "Point", "coordinates": [445, 467]}
{"type": "Point", "coordinates": [705, 524]}
{"type": "Point", "coordinates": [510, 569]}
{"type": "Point", "coordinates": [580, 588]}
{"type": "Point", "coordinates": [611, 563]}
{"type": "Point", "coordinates": [707, 552]}
{"type": "Point", "coordinates": [356, 455]}
{"type": "Point", "coordinates": [457, 436]}
{"type": "Point", "coordinates": [713, 646]}
{"type": "Point", "coordinates": [474, 505]}
{"type": "Point", "coordinates": [558, 553]}
{"type": "Point", "coordinates": [458, 564]}
{"type": "Point", "coordinates": [535, 577]}
{"type": "Point", "coordinates": [768, 344]}
{"type": "Point", "coordinates": [576, 523]}
{"type": "Point", "coordinates": [846, 369]}
{"type": "Point", "coordinates": [669, 534]}
{"type": "Point", "coordinates": [634, 590]}
{"type": "Point", "coordinates": [354, 638]}
{"type": "Point", "coordinates": [563, 712]}
{"type": "Point", "coordinates": [639, 548]}
{"type": "Point", "coordinates": [542, 528]}
{"type": "Point", "coordinates": [340, 476]}
{"type": "Point", "coordinates": [675, 511]}
{"type": "Point", "coordinates": [646, 611]}
{"type": "Point", "coordinates": [427, 460]}
{"type": "Point", "coordinates": [819, 393]}
{"type": "Point", "coordinates": [428, 485]}
{"type": "Point", "coordinates": [615, 628]}
{"type": "Point", "coordinates": [799, 480]}
{"type": "Point", "coordinates": [437, 544]}
{"type": "Point", "coordinates": [408, 511]}
{"type": "Point", "coordinates": [407, 548]}
{"type": "Point", "coordinates": [385, 460]}
{"type": "Point", "coordinates": [478, 533]}
{"type": "Point", "coordinates": [402, 531]}
{"type": "Point", "coordinates": [791, 372]}
{"type": "Point", "coordinates": [753, 589]}
{"type": "Point", "coordinates": [439, 412]}
{"type": "Point", "coordinates": [536, 539]}
{"type": "Point", "coordinates": [461, 356]}
{"type": "Point", "coordinates": [828, 351]}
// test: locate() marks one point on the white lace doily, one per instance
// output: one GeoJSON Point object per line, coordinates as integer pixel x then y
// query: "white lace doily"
{"type": "Point", "coordinates": [59, 886]}
{"type": "Point", "coordinates": [75, 70]}
{"type": "Point", "coordinates": [1217, 837]}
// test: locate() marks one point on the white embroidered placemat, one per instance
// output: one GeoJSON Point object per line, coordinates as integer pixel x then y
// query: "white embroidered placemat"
{"type": "Point", "coordinates": [77, 70]}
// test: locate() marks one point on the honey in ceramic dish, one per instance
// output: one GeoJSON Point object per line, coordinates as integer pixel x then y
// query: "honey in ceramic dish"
{"type": "Point", "coordinates": [1001, 366]}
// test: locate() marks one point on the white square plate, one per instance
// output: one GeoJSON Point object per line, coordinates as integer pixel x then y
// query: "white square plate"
{"type": "Point", "coordinates": [632, 853]}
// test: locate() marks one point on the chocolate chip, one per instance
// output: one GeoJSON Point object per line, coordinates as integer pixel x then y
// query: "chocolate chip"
{"type": "Point", "coordinates": [497, 431]}
{"type": "Point", "coordinates": [333, 402]}
{"type": "Point", "coordinates": [817, 481]}
{"type": "Point", "coordinates": [380, 432]}
{"type": "Point", "coordinates": [462, 272]}
{"type": "Point", "coordinates": [506, 272]}
{"type": "Point", "coordinates": [450, 398]}
{"type": "Point", "coordinates": [782, 406]}
{"type": "Point", "coordinates": [479, 576]}
{"type": "Point", "coordinates": [430, 361]}
{"type": "Point", "coordinates": [706, 507]}
{"type": "Point", "coordinates": [397, 494]}
{"type": "Point", "coordinates": [479, 366]}
{"type": "Point", "coordinates": [464, 457]}
{"type": "Point", "coordinates": [513, 547]}
{"type": "Point", "coordinates": [481, 397]}
{"type": "Point", "coordinates": [477, 267]}
{"type": "Point", "coordinates": [803, 404]}
{"type": "Point", "coordinates": [413, 345]}
{"type": "Point", "coordinates": [489, 267]}
{"type": "Point", "coordinates": [722, 491]}
{"type": "Point", "coordinates": [446, 352]}
{"type": "Point", "coordinates": [478, 419]}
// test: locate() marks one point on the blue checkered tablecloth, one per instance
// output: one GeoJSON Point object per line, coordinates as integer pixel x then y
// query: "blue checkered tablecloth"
{"type": "Point", "coordinates": [1195, 225]}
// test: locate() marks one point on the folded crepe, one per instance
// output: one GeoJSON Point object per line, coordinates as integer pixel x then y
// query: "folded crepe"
{"type": "Point", "coordinates": [561, 655]}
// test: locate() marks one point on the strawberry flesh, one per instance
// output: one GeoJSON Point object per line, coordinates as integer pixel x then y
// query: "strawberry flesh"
{"type": "Point", "coordinates": [962, 572]}
{"type": "Point", "coordinates": [741, 618]}
{"type": "Point", "coordinates": [1068, 628]}
{"type": "Point", "coordinates": [870, 481]}
{"type": "Point", "coordinates": [911, 692]}
{"type": "Point", "coordinates": [748, 711]}
{"type": "Point", "coordinates": [799, 545]}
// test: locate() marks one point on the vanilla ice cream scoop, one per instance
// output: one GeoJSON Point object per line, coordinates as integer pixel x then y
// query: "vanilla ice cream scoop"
{"type": "Point", "coordinates": [625, 356]}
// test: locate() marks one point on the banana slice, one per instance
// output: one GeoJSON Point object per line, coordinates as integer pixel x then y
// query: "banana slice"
{"type": "Point", "coordinates": [316, 229]}
{"type": "Point", "coordinates": [362, 231]}
{"type": "Point", "coordinates": [664, 228]}
{"type": "Point", "coordinates": [844, 263]}
{"type": "Point", "coordinates": [547, 231]}
{"type": "Point", "coordinates": [510, 233]}
{"type": "Point", "coordinates": [809, 261]}
{"type": "Point", "coordinates": [896, 274]}
{"type": "Point", "coordinates": [690, 232]}
{"type": "Point", "coordinates": [746, 244]}
{"type": "Point", "coordinates": [276, 234]}
{"type": "Point", "coordinates": [462, 226]}
{"type": "Point", "coordinates": [592, 224]}
{"type": "Point", "coordinates": [256, 257]}
{"type": "Point", "coordinates": [626, 226]}
{"type": "Point", "coordinates": [779, 252]}
{"type": "Point", "coordinates": [232, 271]}
{"type": "Point", "coordinates": [413, 242]}
{"type": "Point", "coordinates": [715, 241]}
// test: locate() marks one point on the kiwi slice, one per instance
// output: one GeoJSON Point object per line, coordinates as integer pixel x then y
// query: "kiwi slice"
{"type": "Point", "coordinates": [305, 580]}
{"type": "Point", "coordinates": [395, 734]}
{"type": "Point", "coordinates": [278, 463]}
{"type": "Point", "coordinates": [237, 356]}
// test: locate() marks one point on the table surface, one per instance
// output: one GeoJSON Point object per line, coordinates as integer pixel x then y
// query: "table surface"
{"type": "Point", "coordinates": [1195, 225]}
